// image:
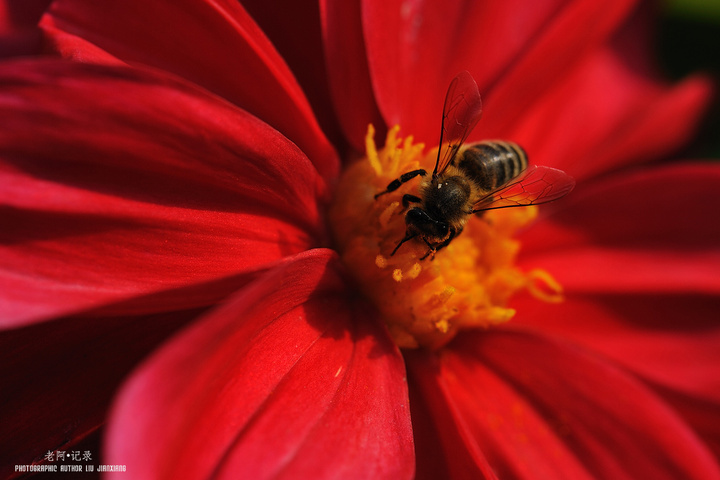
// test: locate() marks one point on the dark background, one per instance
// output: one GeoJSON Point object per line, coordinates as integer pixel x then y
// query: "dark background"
{"type": "Point", "coordinates": [689, 41]}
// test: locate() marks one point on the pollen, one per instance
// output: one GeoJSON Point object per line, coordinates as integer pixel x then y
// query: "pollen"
{"type": "Point", "coordinates": [426, 302]}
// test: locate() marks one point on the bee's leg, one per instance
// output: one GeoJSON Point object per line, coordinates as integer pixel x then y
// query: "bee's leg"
{"type": "Point", "coordinates": [408, 236]}
{"type": "Point", "coordinates": [439, 246]}
{"type": "Point", "coordinates": [431, 252]}
{"type": "Point", "coordinates": [408, 199]}
{"type": "Point", "coordinates": [405, 177]}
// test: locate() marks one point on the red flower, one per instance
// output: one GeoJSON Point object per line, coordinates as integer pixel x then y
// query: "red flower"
{"type": "Point", "coordinates": [174, 176]}
{"type": "Point", "coordinates": [19, 34]}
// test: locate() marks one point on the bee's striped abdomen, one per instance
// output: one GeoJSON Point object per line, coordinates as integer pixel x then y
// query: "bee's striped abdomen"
{"type": "Point", "coordinates": [492, 164]}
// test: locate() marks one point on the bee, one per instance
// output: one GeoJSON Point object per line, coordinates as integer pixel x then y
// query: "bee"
{"type": "Point", "coordinates": [471, 179]}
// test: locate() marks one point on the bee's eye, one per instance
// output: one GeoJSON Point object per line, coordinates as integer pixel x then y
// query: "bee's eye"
{"type": "Point", "coordinates": [421, 220]}
{"type": "Point", "coordinates": [442, 228]}
{"type": "Point", "coordinates": [417, 216]}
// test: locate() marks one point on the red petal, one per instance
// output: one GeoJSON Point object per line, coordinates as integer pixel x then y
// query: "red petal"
{"type": "Point", "coordinates": [139, 184]}
{"type": "Point", "coordinates": [19, 34]}
{"type": "Point", "coordinates": [669, 341]}
{"type": "Point", "coordinates": [541, 409]}
{"type": "Point", "coordinates": [443, 445]}
{"type": "Point", "coordinates": [652, 231]}
{"type": "Point", "coordinates": [514, 50]}
{"type": "Point", "coordinates": [286, 21]}
{"type": "Point", "coordinates": [574, 31]}
{"type": "Point", "coordinates": [349, 80]}
{"type": "Point", "coordinates": [59, 378]}
{"type": "Point", "coordinates": [21, 14]}
{"type": "Point", "coordinates": [290, 380]}
{"type": "Point", "coordinates": [213, 43]}
{"type": "Point", "coordinates": [703, 415]}
{"type": "Point", "coordinates": [606, 115]}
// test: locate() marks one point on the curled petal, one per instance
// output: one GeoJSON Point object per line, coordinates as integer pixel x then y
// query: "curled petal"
{"type": "Point", "coordinates": [289, 380]}
{"type": "Point", "coordinates": [212, 43]}
{"type": "Point", "coordinates": [141, 183]}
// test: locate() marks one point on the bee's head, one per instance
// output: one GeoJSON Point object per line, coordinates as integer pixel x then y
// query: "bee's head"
{"type": "Point", "coordinates": [419, 222]}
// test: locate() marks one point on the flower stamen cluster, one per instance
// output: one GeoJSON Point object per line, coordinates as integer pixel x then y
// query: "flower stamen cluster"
{"type": "Point", "coordinates": [427, 302]}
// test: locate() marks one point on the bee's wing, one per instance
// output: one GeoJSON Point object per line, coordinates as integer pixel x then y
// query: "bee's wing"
{"type": "Point", "coordinates": [535, 186]}
{"type": "Point", "coordinates": [462, 111]}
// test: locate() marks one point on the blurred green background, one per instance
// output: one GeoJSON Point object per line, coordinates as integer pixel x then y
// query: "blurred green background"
{"type": "Point", "coordinates": [689, 41]}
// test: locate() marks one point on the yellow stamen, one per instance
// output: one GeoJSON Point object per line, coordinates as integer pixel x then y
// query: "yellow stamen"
{"type": "Point", "coordinates": [427, 302]}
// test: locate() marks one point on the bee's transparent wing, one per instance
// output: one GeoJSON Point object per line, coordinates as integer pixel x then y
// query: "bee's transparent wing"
{"type": "Point", "coordinates": [535, 186]}
{"type": "Point", "coordinates": [461, 112]}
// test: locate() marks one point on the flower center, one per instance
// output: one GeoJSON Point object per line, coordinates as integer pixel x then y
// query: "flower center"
{"type": "Point", "coordinates": [426, 302]}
